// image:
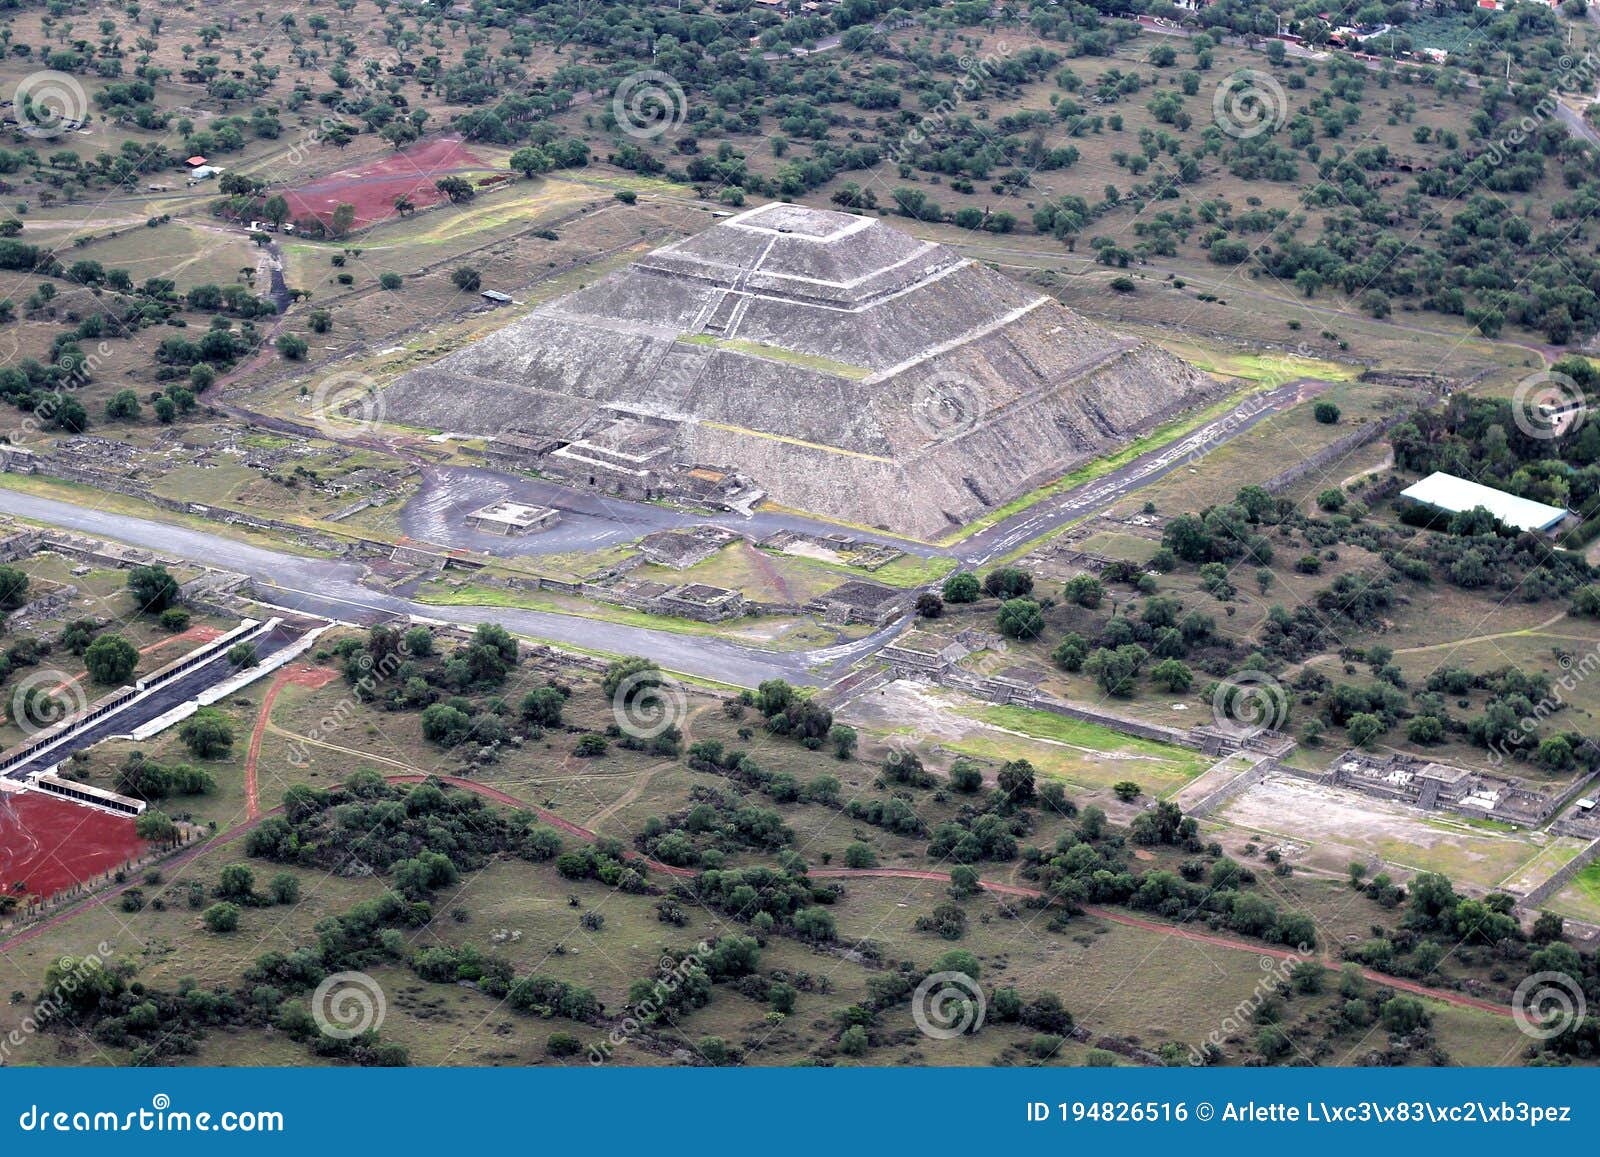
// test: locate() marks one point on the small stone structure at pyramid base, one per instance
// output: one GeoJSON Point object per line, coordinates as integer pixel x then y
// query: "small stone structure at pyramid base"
{"type": "Point", "coordinates": [824, 361]}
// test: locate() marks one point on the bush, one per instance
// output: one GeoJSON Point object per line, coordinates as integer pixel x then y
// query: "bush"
{"type": "Point", "coordinates": [223, 917]}
{"type": "Point", "coordinates": [174, 619]}
{"type": "Point", "coordinates": [391, 281]}
{"type": "Point", "coordinates": [1326, 412]}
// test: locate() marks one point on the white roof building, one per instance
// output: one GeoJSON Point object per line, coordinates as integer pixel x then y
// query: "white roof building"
{"type": "Point", "coordinates": [1454, 495]}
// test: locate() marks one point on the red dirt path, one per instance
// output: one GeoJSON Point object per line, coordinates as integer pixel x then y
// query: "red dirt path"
{"type": "Point", "coordinates": [298, 673]}
{"type": "Point", "coordinates": [996, 887]}
{"type": "Point", "coordinates": [51, 844]}
{"type": "Point", "coordinates": [200, 634]}
{"type": "Point", "coordinates": [372, 188]}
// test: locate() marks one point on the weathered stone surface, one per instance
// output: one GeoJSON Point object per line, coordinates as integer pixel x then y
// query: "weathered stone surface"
{"type": "Point", "coordinates": [846, 367]}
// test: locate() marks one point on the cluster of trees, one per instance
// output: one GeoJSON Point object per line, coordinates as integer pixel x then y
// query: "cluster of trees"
{"type": "Point", "coordinates": [146, 779]}
{"type": "Point", "coordinates": [718, 821]}
{"type": "Point", "coordinates": [1092, 865]}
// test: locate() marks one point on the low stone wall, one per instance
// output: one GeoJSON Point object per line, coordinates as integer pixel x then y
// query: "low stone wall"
{"type": "Point", "coordinates": [1332, 452]}
{"type": "Point", "coordinates": [1245, 779]}
{"type": "Point", "coordinates": [1563, 876]}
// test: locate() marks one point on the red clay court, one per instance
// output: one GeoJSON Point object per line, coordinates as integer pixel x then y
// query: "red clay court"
{"type": "Point", "coordinates": [373, 187]}
{"type": "Point", "coordinates": [50, 844]}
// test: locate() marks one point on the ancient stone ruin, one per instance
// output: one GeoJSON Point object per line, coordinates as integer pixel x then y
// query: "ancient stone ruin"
{"type": "Point", "coordinates": [825, 360]}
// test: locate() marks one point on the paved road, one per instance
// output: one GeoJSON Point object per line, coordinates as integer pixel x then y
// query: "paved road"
{"type": "Point", "coordinates": [336, 588]}
{"type": "Point", "coordinates": [591, 521]}
{"type": "Point", "coordinates": [333, 588]}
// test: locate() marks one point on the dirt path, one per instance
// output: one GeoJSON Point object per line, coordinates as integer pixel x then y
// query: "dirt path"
{"type": "Point", "coordinates": [1174, 931]}
{"type": "Point", "coordinates": [1533, 630]}
{"type": "Point", "coordinates": [924, 874]}
{"type": "Point", "coordinates": [295, 673]}
{"type": "Point", "coordinates": [644, 777]}
{"type": "Point", "coordinates": [200, 634]}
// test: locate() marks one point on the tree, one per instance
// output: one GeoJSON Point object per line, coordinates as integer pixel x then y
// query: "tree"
{"type": "Point", "coordinates": [1016, 780]}
{"type": "Point", "coordinates": [854, 1042]}
{"type": "Point", "coordinates": [1086, 590]}
{"type": "Point", "coordinates": [292, 346]}
{"type": "Point", "coordinates": [13, 587]}
{"type": "Point", "coordinates": [961, 588]}
{"type": "Point", "coordinates": [467, 279]}
{"type": "Point", "coordinates": [391, 281]}
{"type": "Point", "coordinates": [965, 776]}
{"type": "Point", "coordinates": [221, 918]}
{"type": "Point", "coordinates": [1363, 727]}
{"type": "Point", "coordinates": [237, 882]}
{"type": "Point", "coordinates": [445, 725]}
{"type": "Point", "coordinates": [276, 209]}
{"type": "Point", "coordinates": [243, 655]}
{"type": "Point", "coordinates": [1126, 790]}
{"type": "Point", "coordinates": [156, 827]}
{"type": "Point", "coordinates": [1172, 675]}
{"type": "Point", "coordinates": [1116, 670]}
{"type": "Point", "coordinates": [1326, 412]}
{"type": "Point", "coordinates": [65, 413]}
{"type": "Point", "coordinates": [123, 406]}
{"type": "Point", "coordinates": [530, 161]}
{"type": "Point", "coordinates": [1021, 619]}
{"type": "Point", "coordinates": [636, 673]}
{"type": "Point", "coordinates": [542, 706]}
{"type": "Point", "coordinates": [110, 659]}
{"type": "Point", "coordinates": [1070, 652]}
{"type": "Point", "coordinates": [207, 734]}
{"type": "Point", "coordinates": [458, 189]}
{"type": "Point", "coordinates": [844, 740]}
{"type": "Point", "coordinates": [344, 216]}
{"type": "Point", "coordinates": [860, 856]}
{"type": "Point", "coordinates": [1008, 582]}
{"type": "Point", "coordinates": [929, 605]}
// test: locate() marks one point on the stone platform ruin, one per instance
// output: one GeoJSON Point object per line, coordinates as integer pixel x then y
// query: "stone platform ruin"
{"type": "Point", "coordinates": [823, 360]}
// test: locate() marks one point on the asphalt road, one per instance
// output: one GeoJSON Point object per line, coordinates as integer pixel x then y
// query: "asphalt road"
{"type": "Point", "coordinates": [334, 588]}
{"type": "Point", "coordinates": [591, 521]}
